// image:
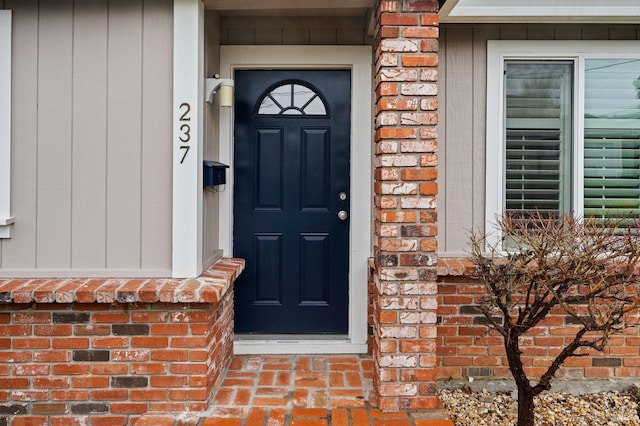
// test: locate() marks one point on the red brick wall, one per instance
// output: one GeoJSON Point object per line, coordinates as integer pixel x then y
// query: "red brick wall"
{"type": "Point", "coordinates": [466, 348]}
{"type": "Point", "coordinates": [110, 361]}
{"type": "Point", "coordinates": [116, 356]}
{"type": "Point", "coordinates": [403, 285]}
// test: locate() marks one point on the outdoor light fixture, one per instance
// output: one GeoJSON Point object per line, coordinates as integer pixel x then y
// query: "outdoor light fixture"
{"type": "Point", "coordinates": [224, 86]}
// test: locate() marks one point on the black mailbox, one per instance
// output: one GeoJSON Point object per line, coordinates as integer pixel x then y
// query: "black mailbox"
{"type": "Point", "coordinates": [214, 173]}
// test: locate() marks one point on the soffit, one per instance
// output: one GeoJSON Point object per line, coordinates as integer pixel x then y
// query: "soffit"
{"type": "Point", "coordinates": [290, 7]}
{"type": "Point", "coordinates": [514, 11]}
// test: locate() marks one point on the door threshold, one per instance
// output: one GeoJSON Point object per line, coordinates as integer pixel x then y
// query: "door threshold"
{"type": "Point", "coordinates": [288, 344]}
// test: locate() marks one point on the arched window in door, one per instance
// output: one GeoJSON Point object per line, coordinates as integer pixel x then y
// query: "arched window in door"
{"type": "Point", "coordinates": [292, 98]}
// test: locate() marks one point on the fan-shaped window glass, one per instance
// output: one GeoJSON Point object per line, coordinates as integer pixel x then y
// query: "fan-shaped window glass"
{"type": "Point", "coordinates": [292, 99]}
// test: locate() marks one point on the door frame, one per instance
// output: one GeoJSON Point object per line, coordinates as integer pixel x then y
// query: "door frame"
{"type": "Point", "coordinates": [359, 60]}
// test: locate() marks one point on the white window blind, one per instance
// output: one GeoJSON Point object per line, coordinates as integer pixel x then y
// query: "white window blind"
{"type": "Point", "coordinates": [612, 138]}
{"type": "Point", "coordinates": [538, 136]}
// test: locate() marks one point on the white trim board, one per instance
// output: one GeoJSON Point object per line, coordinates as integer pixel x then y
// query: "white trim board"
{"type": "Point", "coordinates": [188, 103]}
{"type": "Point", "coordinates": [545, 8]}
{"type": "Point", "coordinates": [597, 11]}
{"type": "Point", "coordinates": [275, 346]}
{"type": "Point", "coordinates": [273, 5]}
{"type": "Point", "coordinates": [5, 124]}
{"type": "Point", "coordinates": [358, 59]}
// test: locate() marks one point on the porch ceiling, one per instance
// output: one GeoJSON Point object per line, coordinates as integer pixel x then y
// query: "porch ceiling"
{"type": "Point", "coordinates": [513, 11]}
{"type": "Point", "coordinates": [290, 7]}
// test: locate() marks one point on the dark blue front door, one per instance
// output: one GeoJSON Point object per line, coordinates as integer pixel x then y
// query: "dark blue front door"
{"type": "Point", "coordinates": [291, 196]}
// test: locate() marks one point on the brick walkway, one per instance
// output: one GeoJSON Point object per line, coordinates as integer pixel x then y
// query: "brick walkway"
{"type": "Point", "coordinates": [268, 390]}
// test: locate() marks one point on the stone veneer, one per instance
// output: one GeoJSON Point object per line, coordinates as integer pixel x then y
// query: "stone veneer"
{"type": "Point", "coordinates": [104, 351]}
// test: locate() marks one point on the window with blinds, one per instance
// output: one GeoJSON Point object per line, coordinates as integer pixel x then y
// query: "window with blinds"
{"type": "Point", "coordinates": [612, 138]}
{"type": "Point", "coordinates": [538, 136]}
{"type": "Point", "coordinates": [563, 129]}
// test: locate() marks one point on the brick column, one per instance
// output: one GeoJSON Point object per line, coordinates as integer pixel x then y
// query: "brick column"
{"type": "Point", "coordinates": [405, 288]}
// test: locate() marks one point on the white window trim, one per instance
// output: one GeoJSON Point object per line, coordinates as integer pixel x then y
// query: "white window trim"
{"type": "Point", "coordinates": [358, 59]}
{"type": "Point", "coordinates": [576, 50]}
{"type": "Point", "coordinates": [5, 124]}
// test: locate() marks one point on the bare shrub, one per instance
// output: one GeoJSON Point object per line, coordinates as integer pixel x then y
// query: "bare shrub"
{"type": "Point", "coordinates": [586, 268]}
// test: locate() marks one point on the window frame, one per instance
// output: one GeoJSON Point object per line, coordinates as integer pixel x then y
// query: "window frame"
{"type": "Point", "coordinates": [5, 124]}
{"type": "Point", "coordinates": [577, 51]}
{"type": "Point", "coordinates": [292, 82]}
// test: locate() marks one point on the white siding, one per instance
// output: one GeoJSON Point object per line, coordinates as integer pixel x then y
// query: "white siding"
{"type": "Point", "coordinates": [461, 129]}
{"type": "Point", "coordinates": [91, 138]}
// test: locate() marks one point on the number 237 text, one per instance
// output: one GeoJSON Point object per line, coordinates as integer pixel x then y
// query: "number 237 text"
{"type": "Point", "coordinates": [184, 130]}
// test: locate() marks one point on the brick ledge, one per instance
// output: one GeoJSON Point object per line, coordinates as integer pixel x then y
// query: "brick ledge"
{"type": "Point", "coordinates": [209, 287]}
{"type": "Point", "coordinates": [454, 266]}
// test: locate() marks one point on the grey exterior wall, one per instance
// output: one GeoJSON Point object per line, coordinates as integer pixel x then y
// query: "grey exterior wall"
{"type": "Point", "coordinates": [91, 131]}
{"type": "Point", "coordinates": [294, 30]}
{"type": "Point", "coordinates": [91, 128]}
{"type": "Point", "coordinates": [462, 117]}
{"type": "Point", "coordinates": [91, 138]}
{"type": "Point", "coordinates": [211, 200]}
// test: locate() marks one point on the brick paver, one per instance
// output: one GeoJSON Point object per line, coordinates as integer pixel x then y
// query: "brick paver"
{"type": "Point", "coordinates": [296, 390]}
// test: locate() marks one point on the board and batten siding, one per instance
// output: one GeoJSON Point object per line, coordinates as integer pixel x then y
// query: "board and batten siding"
{"type": "Point", "coordinates": [91, 138]}
{"type": "Point", "coordinates": [462, 117]}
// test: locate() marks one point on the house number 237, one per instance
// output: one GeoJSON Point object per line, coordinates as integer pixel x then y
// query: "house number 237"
{"type": "Point", "coordinates": [184, 129]}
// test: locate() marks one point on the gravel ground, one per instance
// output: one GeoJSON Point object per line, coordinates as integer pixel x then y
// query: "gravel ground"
{"type": "Point", "coordinates": [468, 408]}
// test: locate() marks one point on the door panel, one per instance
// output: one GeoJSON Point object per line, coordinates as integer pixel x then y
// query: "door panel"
{"type": "Point", "coordinates": [316, 176]}
{"type": "Point", "coordinates": [314, 268]}
{"type": "Point", "coordinates": [269, 169]}
{"type": "Point", "coordinates": [268, 259]}
{"type": "Point", "coordinates": [291, 162]}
